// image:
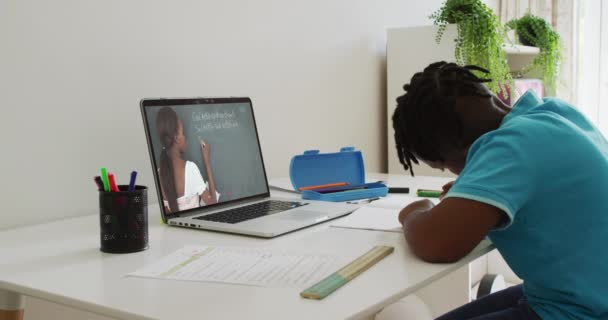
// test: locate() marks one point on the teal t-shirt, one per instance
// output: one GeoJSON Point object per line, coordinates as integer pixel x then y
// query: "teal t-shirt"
{"type": "Point", "coordinates": [546, 167]}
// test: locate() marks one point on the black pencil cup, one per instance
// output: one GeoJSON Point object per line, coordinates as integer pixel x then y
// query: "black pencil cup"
{"type": "Point", "coordinates": [123, 218]}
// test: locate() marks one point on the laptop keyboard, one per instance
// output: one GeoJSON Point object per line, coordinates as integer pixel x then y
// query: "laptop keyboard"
{"type": "Point", "coordinates": [251, 211]}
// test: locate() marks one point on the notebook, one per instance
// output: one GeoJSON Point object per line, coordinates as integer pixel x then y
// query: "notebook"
{"type": "Point", "coordinates": [379, 215]}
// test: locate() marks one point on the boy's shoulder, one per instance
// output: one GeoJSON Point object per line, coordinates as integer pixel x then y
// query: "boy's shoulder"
{"type": "Point", "coordinates": [548, 114]}
{"type": "Point", "coordinates": [529, 104]}
{"type": "Point", "coordinates": [526, 137]}
{"type": "Point", "coordinates": [533, 133]}
{"type": "Point", "coordinates": [518, 130]}
{"type": "Point", "coordinates": [551, 104]}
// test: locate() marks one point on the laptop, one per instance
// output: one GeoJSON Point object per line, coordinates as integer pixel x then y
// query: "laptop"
{"type": "Point", "coordinates": [209, 170]}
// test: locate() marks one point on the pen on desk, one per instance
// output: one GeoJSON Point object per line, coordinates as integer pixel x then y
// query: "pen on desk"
{"type": "Point", "coordinates": [363, 201]}
{"type": "Point", "coordinates": [98, 182]}
{"type": "Point", "coordinates": [398, 190]}
{"type": "Point", "coordinates": [429, 193]}
{"type": "Point", "coordinates": [104, 179]}
{"type": "Point", "coordinates": [132, 181]}
{"type": "Point", "coordinates": [112, 181]}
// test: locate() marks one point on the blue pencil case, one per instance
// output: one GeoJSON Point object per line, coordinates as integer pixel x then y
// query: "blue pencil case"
{"type": "Point", "coordinates": [338, 176]}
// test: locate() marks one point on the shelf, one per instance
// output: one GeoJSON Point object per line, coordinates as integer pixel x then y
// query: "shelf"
{"type": "Point", "coordinates": [519, 49]}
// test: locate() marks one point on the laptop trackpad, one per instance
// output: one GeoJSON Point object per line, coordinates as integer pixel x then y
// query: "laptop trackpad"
{"type": "Point", "coordinates": [303, 215]}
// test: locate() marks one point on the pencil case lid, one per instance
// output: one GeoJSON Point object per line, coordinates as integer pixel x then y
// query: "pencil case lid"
{"type": "Point", "coordinates": [313, 168]}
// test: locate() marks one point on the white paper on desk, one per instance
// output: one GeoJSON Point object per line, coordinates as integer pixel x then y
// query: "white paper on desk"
{"type": "Point", "coordinates": [397, 202]}
{"type": "Point", "coordinates": [379, 215]}
{"type": "Point", "coordinates": [247, 266]}
{"type": "Point", "coordinates": [371, 218]}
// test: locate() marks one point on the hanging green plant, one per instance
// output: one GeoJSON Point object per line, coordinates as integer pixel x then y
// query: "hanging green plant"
{"type": "Point", "coordinates": [537, 32]}
{"type": "Point", "coordinates": [480, 39]}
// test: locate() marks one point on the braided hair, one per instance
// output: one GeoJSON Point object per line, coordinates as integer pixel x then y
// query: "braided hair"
{"type": "Point", "coordinates": [426, 121]}
{"type": "Point", "coordinates": [167, 125]}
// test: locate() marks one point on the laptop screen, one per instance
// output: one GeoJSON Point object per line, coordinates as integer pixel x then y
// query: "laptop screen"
{"type": "Point", "coordinates": [204, 152]}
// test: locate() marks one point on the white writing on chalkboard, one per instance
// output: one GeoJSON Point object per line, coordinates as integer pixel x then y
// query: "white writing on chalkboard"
{"type": "Point", "coordinates": [206, 121]}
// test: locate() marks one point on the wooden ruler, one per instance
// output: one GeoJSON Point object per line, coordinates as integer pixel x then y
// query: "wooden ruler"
{"type": "Point", "coordinates": [339, 278]}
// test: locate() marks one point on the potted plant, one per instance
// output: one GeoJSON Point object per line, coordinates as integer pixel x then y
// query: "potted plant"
{"type": "Point", "coordinates": [480, 38]}
{"type": "Point", "coordinates": [537, 32]}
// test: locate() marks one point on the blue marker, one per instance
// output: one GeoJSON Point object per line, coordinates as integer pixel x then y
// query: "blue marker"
{"type": "Point", "coordinates": [132, 182]}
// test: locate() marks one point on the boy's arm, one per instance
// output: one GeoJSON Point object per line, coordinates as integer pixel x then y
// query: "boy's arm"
{"type": "Point", "coordinates": [448, 231]}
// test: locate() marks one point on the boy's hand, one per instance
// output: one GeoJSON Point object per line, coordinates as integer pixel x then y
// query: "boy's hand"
{"type": "Point", "coordinates": [418, 206]}
{"type": "Point", "coordinates": [446, 188]}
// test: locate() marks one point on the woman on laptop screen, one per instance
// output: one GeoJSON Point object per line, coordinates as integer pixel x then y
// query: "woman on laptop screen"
{"type": "Point", "coordinates": [182, 184]}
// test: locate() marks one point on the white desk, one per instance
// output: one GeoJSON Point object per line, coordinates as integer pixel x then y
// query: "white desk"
{"type": "Point", "coordinates": [61, 262]}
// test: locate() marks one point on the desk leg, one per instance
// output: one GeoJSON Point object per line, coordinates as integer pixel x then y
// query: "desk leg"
{"type": "Point", "coordinates": [12, 305]}
{"type": "Point", "coordinates": [447, 293]}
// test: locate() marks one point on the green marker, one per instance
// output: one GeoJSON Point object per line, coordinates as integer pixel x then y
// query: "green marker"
{"type": "Point", "coordinates": [104, 179]}
{"type": "Point", "coordinates": [429, 193]}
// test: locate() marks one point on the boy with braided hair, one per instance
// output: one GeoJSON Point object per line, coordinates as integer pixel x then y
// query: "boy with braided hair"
{"type": "Point", "coordinates": [533, 178]}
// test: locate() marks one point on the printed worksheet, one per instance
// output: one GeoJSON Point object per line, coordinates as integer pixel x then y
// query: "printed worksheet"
{"type": "Point", "coordinates": [247, 266]}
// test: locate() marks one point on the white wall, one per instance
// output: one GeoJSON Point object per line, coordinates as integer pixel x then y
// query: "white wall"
{"type": "Point", "coordinates": [72, 74]}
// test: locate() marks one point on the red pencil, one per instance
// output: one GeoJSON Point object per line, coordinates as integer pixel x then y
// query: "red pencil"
{"type": "Point", "coordinates": [323, 186]}
{"type": "Point", "coordinates": [113, 186]}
